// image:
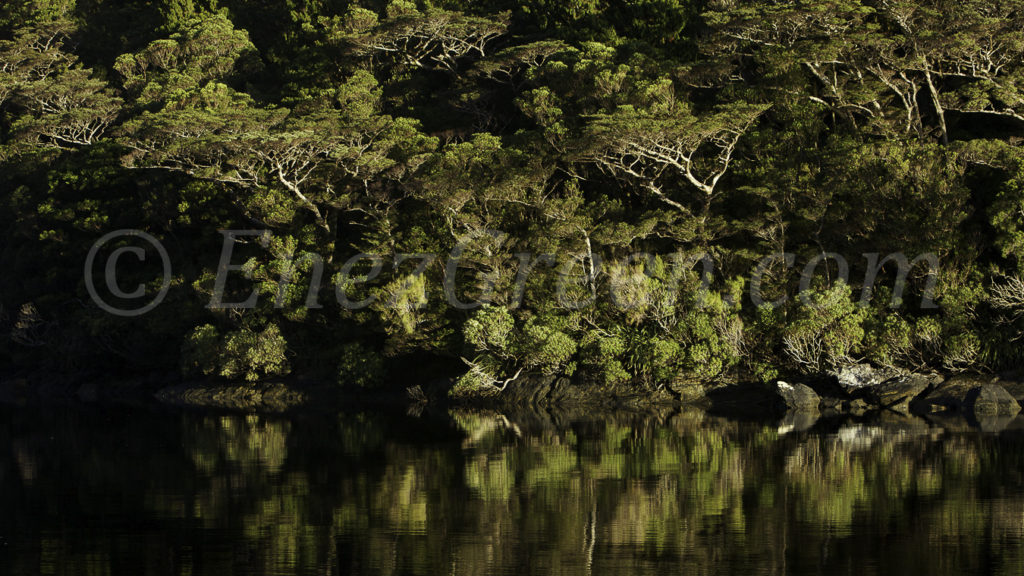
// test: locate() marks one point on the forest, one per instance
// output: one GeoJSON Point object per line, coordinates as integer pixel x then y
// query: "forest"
{"type": "Point", "coordinates": [643, 195]}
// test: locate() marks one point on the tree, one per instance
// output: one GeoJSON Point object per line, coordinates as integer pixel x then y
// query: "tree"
{"type": "Point", "coordinates": [60, 104]}
{"type": "Point", "coordinates": [645, 147]}
{"type": "Point", "coordinates": [512, 65]}
{"type": "Point", "coordinates": [432, 39]}
{"type": "Point", "coordinates": [205, 49]}
{"type": "Point", "coordinates": [225, 137]}
{"type": "Point", "coordinates": [68, 110]}
{"type": "Point", "coordinates": [881, 60]}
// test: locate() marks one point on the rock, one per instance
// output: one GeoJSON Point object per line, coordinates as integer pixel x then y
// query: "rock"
{"type": "Point", "coordinates": [798, 397]}
{"type": "Point", "coordinates": [990, 400]}
{"type": "Point", "coordinates": [832, 403]}
{"type": "Point", "coordinates": [856, 407]}
{"type": "Point", "coordinates": [859, 376]}
{"type": "Point", "coordinates": [688, 392]}
{"type": "Point", "coordinates": [753, 401]}
{"type": "Point", "coordinates": [1014, 384]}
{"type": "Point", "coordinates": [564, 391]}
{"type": "Point", "coordinates": [832, 406]}
{"type": "Point", "coordinates": [528, 390]}
{"type": "Point", "coordinates": [896, 394]}
{"type": "Point", "coordinates": [951, 393]}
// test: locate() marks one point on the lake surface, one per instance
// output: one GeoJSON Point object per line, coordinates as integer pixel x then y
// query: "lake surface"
{"type": "Point", "coordinates": [103, 491]}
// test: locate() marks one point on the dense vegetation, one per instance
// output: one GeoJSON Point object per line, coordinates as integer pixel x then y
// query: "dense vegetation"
{"type": "Point", "coordinates": [658, 150]}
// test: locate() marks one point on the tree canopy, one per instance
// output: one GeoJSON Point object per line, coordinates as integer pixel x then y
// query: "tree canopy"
{"type": "Point", "coordinates": [615, 176]}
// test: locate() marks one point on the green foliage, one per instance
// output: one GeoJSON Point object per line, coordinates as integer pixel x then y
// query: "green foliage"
{"type": "Point", "coordinates": [492, 328]}
{"type": "Point", "coordinates": [202, 49]}
{"type": "Point", "coordinates": [361, 367]}
{"type": "Point", "coordinates": [178, 13]}
{"type": "Point", "coordinates": [62, 105]}
{"type": "Point", "coordinates": [538, 346]}
{"type": "Point", "coordinates": [1007, 211]}
{"type": "Point", "coordinates": [652, 359]}
{"type": "Point", "coordinates": [245, 353]}
{"type": "Point", "coordinates": [547, 349]}
{"type": "Point", "coordinates": [602, 357]}
{"type": "Point", "coordinates": [201, 351]}
{"type": "Point", "coordinates": [827, 329]}
{"type": "Point", "coordinates": [474, 384]}
{"type": "Point", "coordinates": [401, 302]}
{"type": "Point", "coordinates": [503, 132]}
{"type": "Point", "coordinates": [963, 345]}
{"type": "Point", "coordinates": [763, 343]}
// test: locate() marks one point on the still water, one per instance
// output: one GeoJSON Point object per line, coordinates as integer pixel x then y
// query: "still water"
{"type": "Point", "coordinates": [95, 491]}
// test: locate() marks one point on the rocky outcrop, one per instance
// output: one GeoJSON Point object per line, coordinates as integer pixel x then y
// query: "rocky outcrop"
{"type": "Point", "coordinates": [990, 400]}
{"type": "Point", "coordinates": [799, 397]}
{"type": "Point", "coordinates": [860, 376]}
{"type": "Point", "coordinates": [862, 388]}
{"type": "Point", "coordinates": [837, 406]}
{"type": "Point", "coordinates": [950, 395]}
{"type": "Point", "coordinates": [687, 391]}
{"type": "Point", "coordinates": [1014, 384]}
{"type": "Point", "coordinates": [897, 394]}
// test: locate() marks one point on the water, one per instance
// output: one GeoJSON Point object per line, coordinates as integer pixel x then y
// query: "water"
{"type": "Point", "coordinates": [101, 491]}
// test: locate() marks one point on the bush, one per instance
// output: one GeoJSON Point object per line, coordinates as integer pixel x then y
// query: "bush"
{"type": "Point", "coordinates": [502, 354]}
{"type": "Point", "coordinates": [240, 354]}
{"type": "Point", "coordinates": [201, 351]}
{"type": "Point", "coordinates": [601, 357]}
{"type": "Point", "coordinates": [827, 329]}
{"type": "Point", "coordinates": [360, 367]}
{"type": "Point", "coordinates": [473, 384]}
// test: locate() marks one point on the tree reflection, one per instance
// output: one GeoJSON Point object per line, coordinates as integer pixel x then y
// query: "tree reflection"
{"type": "Point", "coordinates": [478, 492]}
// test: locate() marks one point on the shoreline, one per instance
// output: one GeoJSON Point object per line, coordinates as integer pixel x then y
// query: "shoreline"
{"type": "Point", "coordinates": [987, 401]}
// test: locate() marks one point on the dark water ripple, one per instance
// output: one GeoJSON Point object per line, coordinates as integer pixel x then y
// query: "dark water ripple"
{"type": "Point", "coordinates": [100, 491]}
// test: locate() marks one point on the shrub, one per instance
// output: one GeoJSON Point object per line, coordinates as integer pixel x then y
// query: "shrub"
{"type": "Point", "coordinates": [201, 351]}
{"type": "Point", "coordinates": [359, 366]}
{"type": "Point", "coordinates": [252, 355]}
{"type": "Point", "coordinates": [241, 354]}
{"type": "Point", "coordinates": [502, 353]}
{"type": "Point", "coordinates": [601, 357]}
{"type": "Point", "coordinates": [827, 329]}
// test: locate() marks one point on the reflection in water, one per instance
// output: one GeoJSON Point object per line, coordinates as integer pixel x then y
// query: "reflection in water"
{"type": "Point", "coordinates": [97, 492]}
